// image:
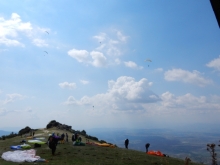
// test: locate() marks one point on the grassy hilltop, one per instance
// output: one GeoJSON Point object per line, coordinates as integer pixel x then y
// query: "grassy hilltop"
{"type": "Point", "coordinates": [67, 154]}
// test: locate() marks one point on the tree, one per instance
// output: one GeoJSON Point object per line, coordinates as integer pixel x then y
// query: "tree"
{"type": "Point", "coordinates": [83, 132]}
{"type": "Point", "coordinates": [211, 149]}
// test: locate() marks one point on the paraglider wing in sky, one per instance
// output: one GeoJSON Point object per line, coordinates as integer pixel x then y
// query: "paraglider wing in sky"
{"type": "Point", "coordinates": [148, 60]}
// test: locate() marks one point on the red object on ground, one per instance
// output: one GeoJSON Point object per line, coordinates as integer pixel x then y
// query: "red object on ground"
{"type": "Point", "coordinates": [157, 153]}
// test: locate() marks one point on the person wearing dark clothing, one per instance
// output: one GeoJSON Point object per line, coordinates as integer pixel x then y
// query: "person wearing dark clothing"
{"type": "Point", "coordinates": [147, 146]}
{"type": "Point", "coordinates": [126, 143]}
{"type": "Point", "coordinates": [52, 144]}
{"type": "Point", "coordinates": [66, 137]}
{"type": "Point", "coordinates": [80, 139]}
{"type": "Point", "coordinates": [33, 133]}
{"type": "Point", "coordinates": [63, 136]}
{"type": "Point", "coordinates": [73, 138]}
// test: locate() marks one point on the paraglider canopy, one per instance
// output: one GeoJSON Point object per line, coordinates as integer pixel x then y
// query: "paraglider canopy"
{"type": "Point", "coordinates": [148, 60]}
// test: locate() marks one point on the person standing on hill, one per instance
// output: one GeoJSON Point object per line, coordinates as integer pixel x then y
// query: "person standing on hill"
{"type": "Point", "coordinates": [73, 139]}
{"type": "Point", "coordinates": [147, 146]}
{"type": "Point", "coordinates": [52, 144]}
{"type": "Point", "coordinates": [62, 138]}
{"type": "Point", "coordinates": [126, 143]}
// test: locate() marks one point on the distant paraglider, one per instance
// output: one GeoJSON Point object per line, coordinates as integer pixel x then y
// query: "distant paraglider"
{"type": "Point", "coordinates": [45, 52]}
{"type": "Point", "coordinates": [148, 60]}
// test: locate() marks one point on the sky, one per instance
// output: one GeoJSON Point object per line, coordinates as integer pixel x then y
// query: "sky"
{"type": "Point", "coordinates": [109, 64]}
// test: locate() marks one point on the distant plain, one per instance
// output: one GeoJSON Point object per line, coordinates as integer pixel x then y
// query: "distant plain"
{"type": "Point", "coordinates": [178, 144]}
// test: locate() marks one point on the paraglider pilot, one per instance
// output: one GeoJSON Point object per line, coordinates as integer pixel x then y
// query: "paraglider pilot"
{"type": "Point", "coordinates": [126, 143]}
{"type": "Point", "coordinates": [147, 146]}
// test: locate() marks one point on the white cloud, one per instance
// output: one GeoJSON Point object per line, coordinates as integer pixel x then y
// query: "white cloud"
{"type": "Point", "coordinates": [214, 64]}
{"type": "Point", "coordinates": [95, 58]}
{"type": "Point", "coordinates": [10, 42]}
{"type": "Point", "coordinates": [11, 29]}
{"type": "Point", "coordinates": [14, 30]}
{"type": "Point", "coordinates": [159, 70]}
{"type": "Point", "coordinates": [99, 60]}
{"type": "Point", "coordinates": [84, 82]}
{"type": "Point", "coordinates": [189, 102]}
{"type": "Point", "coordinates": [194, 77]}
{"type": "Point", "coordinates": [123, 94]}
{"type": "Point", "coordinates": [70, 100]}
{"type": "Point", "coordinates": [121, 37]}
{"type": "Point", "coordinates": [133, 65]}
{"type": "Point", "coordinates": [40, 42]}
{"type": "Point", "coordinates": [79, 55]}
{"type": "Point", "coordinates": [111, 43]}
{"type": "Point", "coordinates": [101, 37]}
{"type": "Point", "coordinates": [13, 97]}
{"type": "Point", "coordinates": [117, 61]}
{"type": "Point", "coordinates": [109, 47]}
{"type": "Point", "coordinates": [83, 101]}
{"type": "Point", "coordinates": [67, 85]}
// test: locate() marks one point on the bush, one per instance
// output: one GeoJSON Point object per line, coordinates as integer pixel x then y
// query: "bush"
{"type": "Point", "coordinates": [24, 130]}
{"type": "Point", "coordinates": [83, 132]}
{"type": "Point", "coordinates": [102, 141]}
{"type": "Point", "coordinates": [92, 137]}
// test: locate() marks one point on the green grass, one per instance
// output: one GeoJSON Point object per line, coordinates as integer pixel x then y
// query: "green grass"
{"type": "Point", "coordinates": [67, 154]}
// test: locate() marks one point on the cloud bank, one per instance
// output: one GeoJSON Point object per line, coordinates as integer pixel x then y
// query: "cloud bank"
{"type": "Point", "coordinates": [194, 77]}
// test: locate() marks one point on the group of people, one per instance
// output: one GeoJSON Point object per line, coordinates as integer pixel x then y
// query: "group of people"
{"type": "Point", "coordinates": [146, 145]}
{"type": "Point", "coordinates": [54, 139]}
{"type": "Point", "coordinates": [76, 138]}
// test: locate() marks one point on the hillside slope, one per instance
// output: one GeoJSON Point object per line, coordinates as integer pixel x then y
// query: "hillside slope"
{"type": "Point", "coordinates": [67, 154]}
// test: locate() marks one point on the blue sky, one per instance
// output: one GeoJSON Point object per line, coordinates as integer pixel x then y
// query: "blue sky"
{"type": "Point", "coordinates": [84, 63]}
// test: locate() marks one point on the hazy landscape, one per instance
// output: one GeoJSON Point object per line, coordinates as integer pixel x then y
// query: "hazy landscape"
{"type": "Point", "coordinates": [174, 143]}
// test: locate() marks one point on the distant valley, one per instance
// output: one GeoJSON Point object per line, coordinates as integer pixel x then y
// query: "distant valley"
{"type": "Point", "coordinates": [4, 132]}
{"type": "Point", "coordinates": [174, 143]}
